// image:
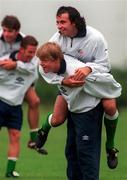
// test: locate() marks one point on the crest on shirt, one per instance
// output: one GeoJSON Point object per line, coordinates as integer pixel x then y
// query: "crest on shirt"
{"type": "Point", "coordinates": [63, 90]}
{"type": "Point", "coordinates": [81, 52]}
{"type": "Point", "coordinates": [19, 80]}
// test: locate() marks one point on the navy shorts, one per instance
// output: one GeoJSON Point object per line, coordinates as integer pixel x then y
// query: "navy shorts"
{"type": "Point", "coordinates": [10, 116]}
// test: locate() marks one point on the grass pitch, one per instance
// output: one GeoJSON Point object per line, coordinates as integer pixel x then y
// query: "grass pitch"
{"type": "Point", "coordinates": [34, 166]}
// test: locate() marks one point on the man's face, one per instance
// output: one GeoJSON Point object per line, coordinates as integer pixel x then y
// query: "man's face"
{"type": "Point", "coordinates": [28, 53]}
{"type": "Point", "coordinates": [49, 65]}
{"type": "Point", "coordinates": [65, 26]}
{"type": "Point", "coordinates": [9, 34]}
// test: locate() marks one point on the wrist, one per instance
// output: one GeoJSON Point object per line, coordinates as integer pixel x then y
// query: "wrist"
{"type": "Point", "coordinates": [63, 82]}
{"type": "Point", "coordinates": [89, 70]}
{"type": "Point", "coordinates": [15, 64]}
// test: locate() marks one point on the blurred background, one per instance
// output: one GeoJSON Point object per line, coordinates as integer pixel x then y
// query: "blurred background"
{"type": "Point", "coordinates": [109, 16]}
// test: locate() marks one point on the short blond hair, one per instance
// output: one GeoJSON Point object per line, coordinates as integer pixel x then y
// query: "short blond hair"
{"type": "Point", "coordinates": [49, 50]}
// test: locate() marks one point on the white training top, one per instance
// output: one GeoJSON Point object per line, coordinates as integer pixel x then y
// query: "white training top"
{"type": "Point", "coordinates": [97, 86]}
{"type": "Point", "coordinates": [91, 49]}
{"type": "Point", "coordinates": [15, 83]}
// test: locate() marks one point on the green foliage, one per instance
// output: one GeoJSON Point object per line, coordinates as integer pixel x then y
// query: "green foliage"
{"type": "Point", "coordinates": [121, 77]}
{"type": "Point", "coordinates": [46, 92]}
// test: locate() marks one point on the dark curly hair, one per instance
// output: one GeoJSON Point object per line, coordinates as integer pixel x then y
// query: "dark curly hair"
{"type": "Point", "coordinates": [74, 16]}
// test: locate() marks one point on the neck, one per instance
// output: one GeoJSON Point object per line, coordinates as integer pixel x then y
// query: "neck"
{"type": "Point", "coordinates": [19, 56]}
{"type": "Point", "coordinates": [62, 67]}
{"type": "Point", "coordinates": [74, 33]}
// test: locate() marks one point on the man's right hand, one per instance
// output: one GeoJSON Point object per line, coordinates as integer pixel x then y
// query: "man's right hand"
{"type": "Point", "coordinates": [71, 82]}
{"type": "Point", "coordinates": [8, 64]}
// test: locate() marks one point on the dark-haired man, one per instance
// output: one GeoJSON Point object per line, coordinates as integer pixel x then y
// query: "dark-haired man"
{"type": "Point", "coordinates": [10, 39]}
{"type": "Point", "coordinates": [89, 46]}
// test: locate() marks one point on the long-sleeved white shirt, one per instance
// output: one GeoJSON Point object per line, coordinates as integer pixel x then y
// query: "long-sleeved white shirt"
{"type": "Point", "coordinates": [91, 49]}
{"type": "Point", "coordinates": [15, 83]}
{"type": "Point", "coordinates": [97, 86]}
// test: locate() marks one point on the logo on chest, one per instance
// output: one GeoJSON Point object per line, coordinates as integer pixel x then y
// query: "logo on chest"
{"type": "Point", "coordinates": [19, 80]}
{"type": "Point", "coordinates": [63, 90]}
{"type": "Point", "coordinates": [81, 52]}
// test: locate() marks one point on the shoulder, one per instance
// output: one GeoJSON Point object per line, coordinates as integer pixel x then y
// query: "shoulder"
{"type": "Point", "coordinates": [71, 61]}
{"type": "Point", "coordinates": [94, 34]}
{"type": "Point", "coordinates": [55, 37]}
{"type": "Point", "coordinates": [19, 37]}
{"type": "Point", "coordinates": [35, 61]}
{"type": "Point", "coordinates": [22, 34]}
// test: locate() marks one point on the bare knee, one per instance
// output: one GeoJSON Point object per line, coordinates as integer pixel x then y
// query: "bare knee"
{"type": "Point", "coordinates": [14, 136]}
{"type": "Point", "coordinates": [34, 102]}
{"type": "Point", "coordinates": [32, 98]}
{"type": "Point", "coordinates": [57, 120]}
{"type": "Point", "coordinates": [59, 112]}
{"type": "Point", "coordinates": [109, 106]}
{"type": "Point", "coordinates": [14, 143]}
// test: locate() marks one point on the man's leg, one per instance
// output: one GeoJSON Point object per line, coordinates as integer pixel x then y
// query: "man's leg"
{"type": "Point", "coordinates": [13, 152]}
{"type": "Point", "coordinates": [88, 127]}
{"type": "Point", "coordinates": [110, 121]}
{"type": "Point", "coordinates": [33, 114]}
{"type": "Point", "coordinates": [53, 120]}
{"type": "Point", "coordinates": [73, 169]}
{"type": "Point", "coordinates": [59, 112]}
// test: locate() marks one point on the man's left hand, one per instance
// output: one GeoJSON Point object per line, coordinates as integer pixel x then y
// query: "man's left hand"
{"type": "Point", "coordinates": [8, 64]}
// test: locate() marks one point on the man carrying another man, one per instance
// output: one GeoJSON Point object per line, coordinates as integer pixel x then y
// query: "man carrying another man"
{"type": "Point", "coordinates": [10, 40]}
{"type": "Point", "coordinates": [85, 111]}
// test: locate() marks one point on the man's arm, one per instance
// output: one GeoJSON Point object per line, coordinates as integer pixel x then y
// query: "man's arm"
{"type": "Point", "coordinates": [26, 68]}
{"type": "Point", "coordinates": [100, 57]}
{"type": "Point", "coordinates": [8, 64]}
{"type": "Point", "coordinates": [53, 78]}
{"type": "Point", "coordinates": [102, 85]}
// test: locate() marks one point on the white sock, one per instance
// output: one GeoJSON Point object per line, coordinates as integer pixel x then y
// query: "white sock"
{"type": "Point", "coordinates": [112, 117]}
{"type": "Point", "coordinates": [12, 158]}
{"type": "Point", "coordinates": [49, 120]}
{"type": "Point", "coordinates": [34, 130]}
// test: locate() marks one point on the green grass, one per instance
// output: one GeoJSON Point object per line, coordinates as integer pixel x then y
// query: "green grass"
{"type": "Point", "coordinates": [32, 165]}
